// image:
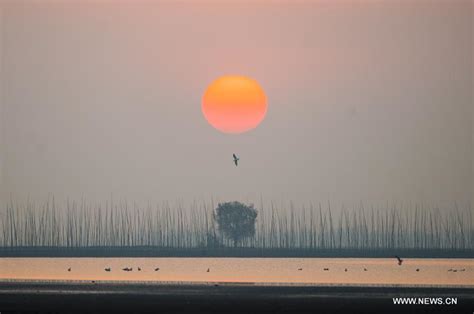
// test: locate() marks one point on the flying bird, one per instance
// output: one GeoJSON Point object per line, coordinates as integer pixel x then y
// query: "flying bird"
{"type": "Point", "coordinates": [236, 160]}
{"type": "Point", "coordinates": [107, 269]}
{"type": "Point", "coordinates": [400, 261]}
{"type": "Point", "coordinates": [157, 269]}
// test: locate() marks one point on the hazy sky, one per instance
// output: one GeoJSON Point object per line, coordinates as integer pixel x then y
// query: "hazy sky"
{"type": "Point", "coordinates": [367, 101]}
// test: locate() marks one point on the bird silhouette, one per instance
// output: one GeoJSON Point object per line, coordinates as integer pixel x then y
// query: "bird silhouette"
{"type": "Point", "coordinates": [417, 269]}
{"type": "Point", "coordinates": [300, 268]}
{"type": "Point", "coordinates": [139, 269]}
{"type": "Point", "coordinates": [69, 269]}
{"type": "Point", "coordinates": [400, 261]}
{"type": "Point", "coordinates": [345, 269]}
{"type": "Point", "coordinates": [157, 269]}
{"type": "Point", "coordinates": [326, 269]}
{"type": "Point", "coordinates": [365, 269]}
{"type": "Point", "coordinates": [107, 269]}
{"type": "Point", "coordinates": [236, 160]}
{"type": "Point", "coordinates": [208, 270]}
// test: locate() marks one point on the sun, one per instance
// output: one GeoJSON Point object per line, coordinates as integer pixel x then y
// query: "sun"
{"type": "Point", "coordinates": [234, 104]}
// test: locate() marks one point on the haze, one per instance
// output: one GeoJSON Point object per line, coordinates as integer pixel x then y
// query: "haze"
{"type": "Point", "coordinates": [367, 101]}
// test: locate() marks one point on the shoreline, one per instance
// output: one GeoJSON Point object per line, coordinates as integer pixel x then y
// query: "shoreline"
{"type": "Point", "coordinates": [229, 252]}
{"type": "Point", "coordinates": [144, 283]}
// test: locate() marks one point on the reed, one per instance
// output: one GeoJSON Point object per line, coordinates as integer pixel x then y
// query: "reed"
{"type": "Point", "coordinates": [121, 224]}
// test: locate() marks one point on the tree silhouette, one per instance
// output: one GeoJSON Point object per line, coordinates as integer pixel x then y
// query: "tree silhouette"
{"type": "Point", "coordinates": [236, 220]}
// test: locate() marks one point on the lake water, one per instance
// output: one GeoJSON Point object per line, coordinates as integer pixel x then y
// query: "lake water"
{"type": "Point", "coordinates": [339, 271]}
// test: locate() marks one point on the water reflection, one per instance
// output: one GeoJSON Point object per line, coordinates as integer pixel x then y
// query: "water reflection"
{"type": "Point", "coordinates": [364, 271]}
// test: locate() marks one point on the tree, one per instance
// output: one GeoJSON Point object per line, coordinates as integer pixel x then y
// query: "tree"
{"type": "Point", "coordinates": [236, 220]}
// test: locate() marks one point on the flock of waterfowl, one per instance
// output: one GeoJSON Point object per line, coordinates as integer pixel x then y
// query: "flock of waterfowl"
{"type": "Point", "coordinates": [108, 269]}
{"type": "Point", "coordinates": [399, 260]}
{"type": "Point", "coordinates": [131, 269]}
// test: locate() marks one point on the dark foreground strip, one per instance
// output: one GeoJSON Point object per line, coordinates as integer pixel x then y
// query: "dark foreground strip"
{"type": "Point", "coordinates": [139, 298]}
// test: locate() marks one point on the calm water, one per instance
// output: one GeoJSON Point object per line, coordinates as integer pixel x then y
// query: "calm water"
{"type": "Point", "coordinates": [261, 270]}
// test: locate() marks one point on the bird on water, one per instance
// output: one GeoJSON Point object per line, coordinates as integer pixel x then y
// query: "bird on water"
{"type": "Point", "coordinates": [236, 160]}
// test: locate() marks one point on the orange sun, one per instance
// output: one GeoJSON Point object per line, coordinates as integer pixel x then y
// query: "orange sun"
{"type": "Point", "coordinates": [234, 104]}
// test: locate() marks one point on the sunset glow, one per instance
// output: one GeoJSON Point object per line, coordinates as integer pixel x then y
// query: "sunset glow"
{"type": "Point", "coordinates": [234, 104]}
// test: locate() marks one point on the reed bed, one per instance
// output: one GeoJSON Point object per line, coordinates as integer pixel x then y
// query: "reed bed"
{"type": "Point", "coordinates": [120, 224]}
